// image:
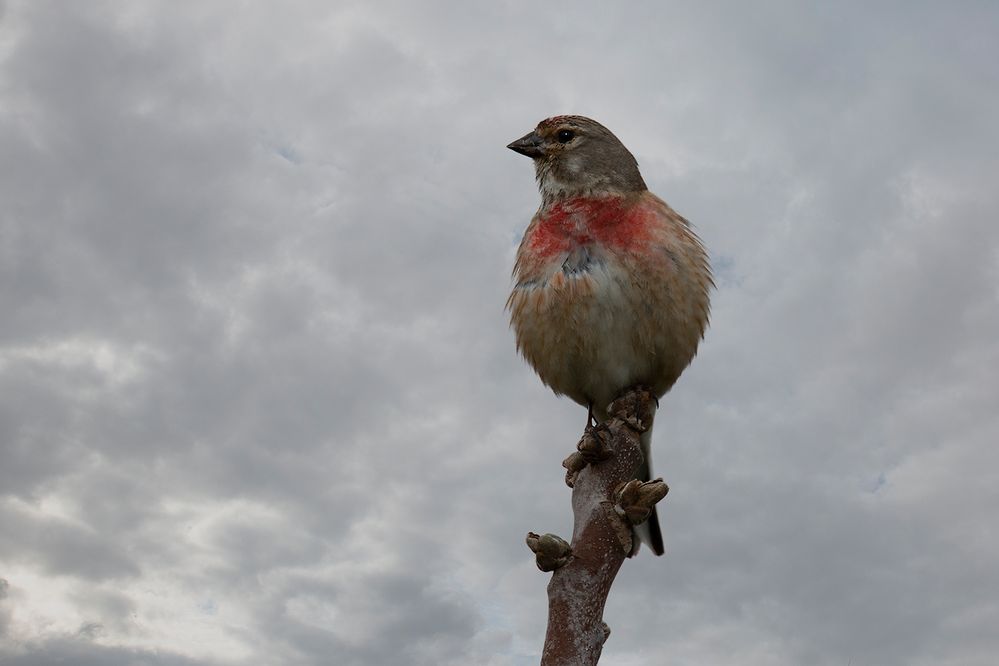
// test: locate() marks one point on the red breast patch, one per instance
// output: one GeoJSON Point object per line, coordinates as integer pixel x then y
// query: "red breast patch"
{"type": "Point", "coordinates": [608, 221]}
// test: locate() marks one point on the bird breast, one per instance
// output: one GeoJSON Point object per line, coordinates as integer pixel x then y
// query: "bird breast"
{"type": "Point", "coordinates": [604, 298]}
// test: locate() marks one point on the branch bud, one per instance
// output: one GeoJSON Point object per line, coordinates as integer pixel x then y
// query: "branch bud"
{"type": "Point", "coordinates": [550, 551]}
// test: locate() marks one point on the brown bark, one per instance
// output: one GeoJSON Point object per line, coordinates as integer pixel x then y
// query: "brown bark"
{"type": "Point", "coordinates": [604, 508]}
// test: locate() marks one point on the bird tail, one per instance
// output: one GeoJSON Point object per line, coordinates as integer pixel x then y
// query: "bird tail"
{"type": "Point", "coordinates": [649, 532]}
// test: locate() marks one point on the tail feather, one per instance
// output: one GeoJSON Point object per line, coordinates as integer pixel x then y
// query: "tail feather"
{"type": "Point", "coordinates": [649, 532]}
{"type": "Point", "coordinates": [655, 534]}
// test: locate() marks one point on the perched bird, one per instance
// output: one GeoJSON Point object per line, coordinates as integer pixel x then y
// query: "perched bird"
{"type": "Point", "coordinates": [611, 284]}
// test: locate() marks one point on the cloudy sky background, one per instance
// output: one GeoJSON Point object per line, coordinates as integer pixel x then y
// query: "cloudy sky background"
{"type": "Point", "coordinates": [258, 398]}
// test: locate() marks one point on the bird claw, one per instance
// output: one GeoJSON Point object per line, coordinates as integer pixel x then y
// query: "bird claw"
{"type": "Point", "coordinates": [551, 552]}
{"type": "Point", "coordinates": [593, 444]}
{"type": "Point", "coordinates": [634, 407]}
{"type": "Point", "coordinates": [591, 449]}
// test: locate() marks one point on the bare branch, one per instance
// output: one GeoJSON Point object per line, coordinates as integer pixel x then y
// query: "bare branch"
{"type": "Point", "coordinates": [607, 501]}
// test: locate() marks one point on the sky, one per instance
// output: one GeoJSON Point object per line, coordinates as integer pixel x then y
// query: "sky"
{"type": "Point", "coordinates": [260, 403]}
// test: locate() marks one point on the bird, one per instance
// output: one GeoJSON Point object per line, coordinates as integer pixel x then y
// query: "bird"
{"type": "Point", "coordinates": [611, 285]}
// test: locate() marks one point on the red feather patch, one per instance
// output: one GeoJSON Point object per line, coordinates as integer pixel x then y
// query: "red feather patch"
{"type": "Point", "coordinates": [609, 221]}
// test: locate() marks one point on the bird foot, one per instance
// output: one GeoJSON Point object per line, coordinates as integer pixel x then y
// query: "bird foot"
{"type": "Point", "coordinates": [591, 449]}
{"type": "Point", "coordinates": [593, 444]}
{"type": "Point", "coordinates": [551, 552]}
{"type": "Point", "coordinates": [634, 407]}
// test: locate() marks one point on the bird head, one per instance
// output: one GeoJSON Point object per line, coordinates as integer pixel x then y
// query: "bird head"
{"type": "Point", "coordinates": [576, 156]}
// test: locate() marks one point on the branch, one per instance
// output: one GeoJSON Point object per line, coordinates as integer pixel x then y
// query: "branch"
{"type": "Point", "coordinates": [607, 501]}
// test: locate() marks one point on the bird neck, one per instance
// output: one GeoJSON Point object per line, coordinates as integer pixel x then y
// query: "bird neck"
{"type": "Point", "coordinates": [562, 182]}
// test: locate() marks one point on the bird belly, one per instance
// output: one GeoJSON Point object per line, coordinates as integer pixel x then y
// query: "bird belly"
{"type": "Point", "coordinates": [592, 333]}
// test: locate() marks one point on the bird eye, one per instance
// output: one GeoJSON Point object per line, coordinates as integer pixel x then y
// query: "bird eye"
{"type": "Point", "coordinates": [565, 136]}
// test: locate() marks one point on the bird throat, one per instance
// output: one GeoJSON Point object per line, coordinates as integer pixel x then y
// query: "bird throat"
{"type": "Point", "coordinates": [557, 181]}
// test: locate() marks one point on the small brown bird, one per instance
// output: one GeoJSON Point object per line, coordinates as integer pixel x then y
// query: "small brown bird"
{"type": "Point", "coordinates": [611, 283]}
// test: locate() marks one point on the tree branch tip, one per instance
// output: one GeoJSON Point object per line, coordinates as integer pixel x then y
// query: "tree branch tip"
{"type": "Point", "coordinates": [551, 551]}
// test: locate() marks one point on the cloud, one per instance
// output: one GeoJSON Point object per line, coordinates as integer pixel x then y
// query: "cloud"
{"type": "Point", "coordinates": [257, 387]}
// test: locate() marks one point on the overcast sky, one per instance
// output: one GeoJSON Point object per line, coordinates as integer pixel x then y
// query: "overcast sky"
{"type": "Point", "coordinates": [259, 402]}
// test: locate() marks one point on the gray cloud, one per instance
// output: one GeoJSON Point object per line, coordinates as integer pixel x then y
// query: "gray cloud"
{"type": "Point", "coordinates": [80, 650]}
{"type": "Point", "coordinates": [258, 388]}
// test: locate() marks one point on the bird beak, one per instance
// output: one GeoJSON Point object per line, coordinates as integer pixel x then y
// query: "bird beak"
{"type": "Point", "coordinates": [529, 144]}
